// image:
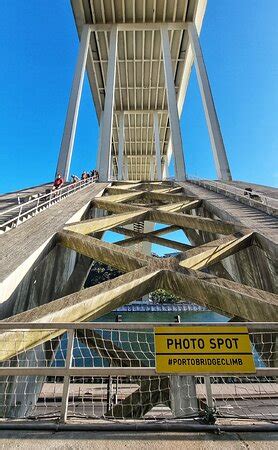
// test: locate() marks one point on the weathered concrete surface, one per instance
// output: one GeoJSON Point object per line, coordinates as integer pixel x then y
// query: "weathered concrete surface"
{"type": "Point", "coordinates": [256, 266]}
{"type": "Point", "coordinates": [223, 296]}
{"type": "Point", "coordinates": [18, 395]}
{"type": "Point", "coordinates": [207, 254]}
{"type": "Point", "coordinates": [102, 440]}
{"type": "Point", "coordinates": [105, 223]}
{"type": "Point", "coordinates": [90, 303]}
{"type": "Point", "coordinates": [269, 191]}
{"type": "Point", "coordinates": [43, 282]}
{"type": "Point", "coordinates": [111, 254]}
{"type": "Point", "coordinates": [32, 237]}
{"type": "Point", "coordinates": [266, 202]}
{"type": "Point", "coordinates": [220, 295]}
{"type": "Point", "coordinates": [190, 221]}
{"type": "Point", "coordinates": [233, 211]}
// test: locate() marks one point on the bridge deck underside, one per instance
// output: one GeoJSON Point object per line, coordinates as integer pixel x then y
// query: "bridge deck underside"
{"type": "Point", "coordinates": [139, 80]}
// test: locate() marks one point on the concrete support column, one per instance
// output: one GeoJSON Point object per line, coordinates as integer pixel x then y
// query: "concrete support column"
{"type": "Point", "coordinates": [146, 248]}
{"type": "Point", "coordinates": [64, 160]}
{"type": "Point", "coordinates": [105, 140]}
{"type": "Point", "coordinates": [146, 245]}
{"type": "Point", "coordinates": [216, 139]}
{"type": "Point", "coordinates": [165, 175]}
{"type": "Point", "coordinates": [157, 146]}
{"type": "Point", "coordinates": [172, 106]}
{"type": "Point", "coordinates": [125, 168]}
{"type": "Point", "coordinates": [183, 396]}
{"type": "Point", "coordinates": [110, 170]}
{"type": "Point", "coordinates": [151, 169]}
{"type": "Point", "coordinates": [121, 145]}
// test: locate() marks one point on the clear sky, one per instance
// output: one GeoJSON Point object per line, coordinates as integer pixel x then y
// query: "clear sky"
{"type": "Point", "coordinates": [38, 49]}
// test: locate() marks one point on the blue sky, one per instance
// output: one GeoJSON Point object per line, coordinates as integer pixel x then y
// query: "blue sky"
{"type": "Point", "coordinates": [38, 48]}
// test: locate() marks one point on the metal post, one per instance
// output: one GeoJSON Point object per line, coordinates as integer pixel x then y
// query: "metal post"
{"type": "Point", "coordinates": [37, 204]}
{"type": "Point", "coordinates": [107, 115]}
{"type": "Point", "coordinates": [66, 384]}
{"type": "Point", "coordinates": [109, 401]}
{"type": "Point", "coordinates": [216, 139]}
{"type": "Point", "coordinates": [65, 154]}
{"type": "Point", "coordinates": [19, 215]}
{"type": "Point", "coordinates": [172, 106]}
{"type": "Point", "coordinates": [157, 146]}
{"type": "Point", "coordinates": [116, 391]}
{"type": "Point", "coordinates": [208, 393]}
{"type": "Point", "coordinates": [121, 146]}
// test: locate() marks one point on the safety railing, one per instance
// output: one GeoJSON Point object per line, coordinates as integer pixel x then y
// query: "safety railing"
{"type": "Point", "coordinates": [253, 198]}
{"type": "Point", "coordinates": [28, 209]}
{"type": "Point", "coordinates": [107, 371]}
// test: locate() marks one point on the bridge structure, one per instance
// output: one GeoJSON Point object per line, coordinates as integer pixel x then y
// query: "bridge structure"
{"type": "Point", "coordinates": [138, 57]}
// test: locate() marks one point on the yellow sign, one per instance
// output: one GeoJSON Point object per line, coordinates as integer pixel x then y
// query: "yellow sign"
{"type": "Point", "coordinates": [203, 350]}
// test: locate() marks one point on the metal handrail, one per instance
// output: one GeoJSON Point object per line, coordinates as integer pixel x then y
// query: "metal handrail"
{"type": "Point", "coordinates": [38, 203]}
{"type": "Point", "coordinates": [69, 328]}
{"type": "Point", "coordinates": [258, 326]}
{"type": "Point", "coordinates": [231, 189]}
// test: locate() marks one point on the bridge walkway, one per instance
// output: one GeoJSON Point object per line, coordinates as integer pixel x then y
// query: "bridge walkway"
{"type": "Point", "coordinates": [21, 246]}
{"type": "Point", "coordinates": [228, 208]}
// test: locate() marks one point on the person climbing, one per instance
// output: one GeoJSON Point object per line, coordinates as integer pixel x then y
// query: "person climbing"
{"type": "Point", "coordinates": [74, 178]}
{"type": "Point", "coordinates": [58, 183]}
{"type": "Point", "coordinates": [84, 176]}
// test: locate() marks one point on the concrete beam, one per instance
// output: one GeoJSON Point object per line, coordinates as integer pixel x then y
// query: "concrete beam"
{"type": "Point", "coordinates": [180, 207]}
{"type": "Point", "coordinates": [157, 146]}
{"type": "Point", "coordinates": [168, 243]}
{"type": "Point", "coordinates": [222, 296]}
{"type": "Point", "coordinates": [121, 197]}
{"type": "Point", "coordinates": [176, 138]}
{"type": "Point", "coordinates": [116, 207]}
{"type": "Point", "coordinates": [217, 143]}
{"type": "Point", "coordinates": [151, 237]}
{"type": "Point", "coordinates": [64, 160]}
{"type": "Point", "coordinates": [87, 304]}
{"type": "Point", "coordinates": [107, 253]}
{"type": "Point", "coordinates": [167, 197]}
{"type": "Point", "coordinates": [105, 223]}
{"type": "Point", "coordinates": [195, 222]}
{"type": "Point", "coordinates": [105, 141]}
{"type": "Point", "coordinates": [139, 26]}
{"type": "Point", "coordinates": [121, 146]}
{"type": "Point", "coordinates": [212, 252]}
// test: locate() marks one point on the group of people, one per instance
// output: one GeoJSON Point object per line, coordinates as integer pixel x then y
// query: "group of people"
{"type": "Point", "coordinates": [92, 174]}
{"type": "Point", "coordinates": [85, 175]}
{"type": "Point", "coordinates": [59, 181]}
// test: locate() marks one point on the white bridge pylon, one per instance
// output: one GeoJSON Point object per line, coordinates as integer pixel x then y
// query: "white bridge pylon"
{"type": "Point", "coordinates": [138, 73]}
